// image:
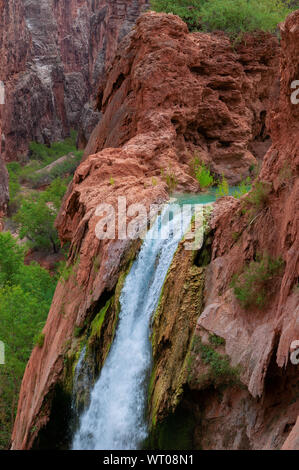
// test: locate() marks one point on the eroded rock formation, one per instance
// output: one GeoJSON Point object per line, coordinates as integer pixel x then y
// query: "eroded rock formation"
{"type": "Point", "coordinates": [52, 55]}
{"type": "Point", "coordinates": [168, 95]}
{"type": "Point", "coordinates": [175, 95]}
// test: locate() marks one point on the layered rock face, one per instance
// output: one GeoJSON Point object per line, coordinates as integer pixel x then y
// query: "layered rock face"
{"type": "Point", "coordinates": [237, 380]}
{"type": "Point", "coordinates": [168, 95]}
{"type": "Point", "coordinates": [52, 55]}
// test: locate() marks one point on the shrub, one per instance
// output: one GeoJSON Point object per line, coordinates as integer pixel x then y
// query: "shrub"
{"type": "Point", "coordinates": [65, 271]}
{"type": "Point", "coordinates": [170, 179]}
{"type": "Point", "coordinates": [222, 188]}
{"type": "Point", "coordinates": [220, 367]}
{"type": "Point", "coordinates": [242, 189]}
{"type": "Point", "coordinates": [216, 340]}
{"type": "Point", "coordinates": [252, 286]}
{"type": "Point", "coordinates": [220, 370]}
{"type": "Point", "coordinates": [188, 10]}
{"type": "Point", "coordinates": [202, 173]}
{"type": "Point", "coordinates": [47, 154]}
{"type": "Point", "coordinates": [39, 340]}
{"type": "Point", "coordinates": [60, 170]}
{"type": "Point", "coordinates": [232, 16]}
{"type": "Point", "coordinates": [259, 195]}
{"type": "Point", "coordinates": [240, 16]}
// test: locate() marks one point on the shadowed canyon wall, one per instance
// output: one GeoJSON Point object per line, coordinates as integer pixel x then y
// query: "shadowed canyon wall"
{"type": "Point", "coordinates": [168, 95]}
{"type": "Point", "coordinates": [52, 55]}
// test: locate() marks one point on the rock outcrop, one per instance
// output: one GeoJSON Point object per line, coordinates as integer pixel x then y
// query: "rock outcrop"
{"type": "Point", "coordinates": [53, 53]}
{"type": "Point", "coordinates": [169, 94]}
{"type": "Point", "coordinates": [176, 95]}
{"type": "Point", "coordinates": [241, 388]}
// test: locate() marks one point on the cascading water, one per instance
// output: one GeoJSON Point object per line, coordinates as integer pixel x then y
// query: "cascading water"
{"type": "Point", "coordinates": [115, 419]}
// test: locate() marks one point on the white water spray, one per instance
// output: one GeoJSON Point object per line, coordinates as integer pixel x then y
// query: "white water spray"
{"type": "Point", "coordinates": [115, 419]}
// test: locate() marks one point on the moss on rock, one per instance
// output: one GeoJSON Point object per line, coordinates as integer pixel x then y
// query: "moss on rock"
{"type": "Point", "coordinates": [173, 326]}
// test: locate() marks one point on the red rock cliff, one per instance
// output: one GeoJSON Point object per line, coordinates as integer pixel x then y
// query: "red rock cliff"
{"type": "Point", "coordinates": [259, 341]}
{"type": "Point", "coordinates": [168, 95]}
{"type": "Point", "coordinates": [182, 94]}
{"type": "Point", "coordinates": [52, 55]}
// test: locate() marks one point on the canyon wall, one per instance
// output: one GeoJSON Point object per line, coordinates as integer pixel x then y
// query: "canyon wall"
{"type": "Point", "coordinates": [53, 53]}
{"type": "Point", "coordinates": [236, 386]}
{"type": "Point", "coordinates": [169, 95]}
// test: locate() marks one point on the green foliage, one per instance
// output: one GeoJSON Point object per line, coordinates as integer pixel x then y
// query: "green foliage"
{"type": "Point", "coordinates": [77, 331]}
{"type": "Point", "coordinates": [14, 170]}
{"type": "Point", "coordinates": [252, 286]}
{"type": "Point", "coordinates": [47, 154]}
{"type": "Point", "coordinates": [258, 197]}
{"type": "Point", "coordinates": [170, 179]}
{"type": "Point", "coordinates": [42, 156]}
{"type": "Point", "coordinates": [202, 173]}
{"type": "Point", "coordinates": [220, 367]}
{"type": "Point", "coordinates": [11, 257]}
{"type": "Point", "coordinates": [36, 216]}
{"type": "Point", "coordinates": [242, 189]}
{"type": "Point", "coordinates": [188, 10]}
{"type": "Point", "coordinates": [98, 321]}
{"type": "Point", "coordinates": [67, 167]}
{"type": "Point", "coordinates": [220, 371]}
{"type": "Point", "coordinates": [112, 181]}
{"type": "Point", "coordinates": [240, 16]}
{"type": "Point", "coordinates": [65, 271]}
{"type": "Point", "coordinates": [25, 296]}
{"type": "Point", "coordinates": [39, 339]}
{"type": "Point", "coordinates": [216, 340]}
{"type": "Point", "coordinates": [222, 188]}
{"type": "Point", "coordinates": [232, 16]}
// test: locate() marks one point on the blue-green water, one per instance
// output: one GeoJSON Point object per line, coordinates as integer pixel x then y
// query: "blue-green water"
{"type": "Point", "coordinates": [200, 198]}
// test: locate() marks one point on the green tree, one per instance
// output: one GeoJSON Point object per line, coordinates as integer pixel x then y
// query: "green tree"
{"type": "Point", "coordinates": [25, 297]}
{"type": "Point", "coordinates": [37, 214]}
{"type": "Point", "coordinates": [11, 257]}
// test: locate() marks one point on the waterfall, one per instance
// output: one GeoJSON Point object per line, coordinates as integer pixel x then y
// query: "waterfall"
{"type": "Point", "coordinates": [115, 418]}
